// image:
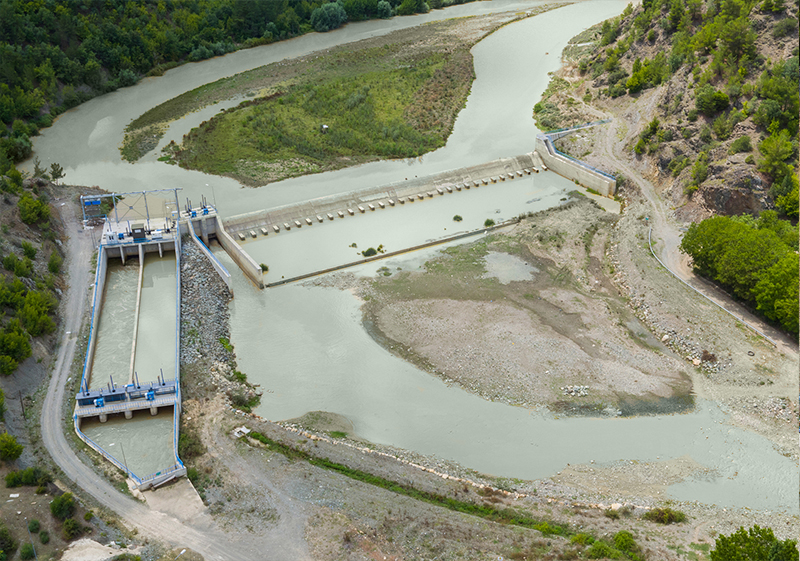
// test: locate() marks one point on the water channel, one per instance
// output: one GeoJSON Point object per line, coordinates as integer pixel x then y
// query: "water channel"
{"type": "Point", "coordinates": [156, 340]}
{"type": "Point", "coordinates": [112, 355]}
{"type": "Point", "coordinates": [307, 347]}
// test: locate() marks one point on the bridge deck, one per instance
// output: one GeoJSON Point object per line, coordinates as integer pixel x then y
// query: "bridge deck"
{"type": "Point", "coordinates": [122, 406]}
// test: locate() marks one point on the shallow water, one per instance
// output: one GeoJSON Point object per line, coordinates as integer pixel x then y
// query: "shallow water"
{"type": "Point", "coordinates": [507, 268]}
{"type": "Point", "coordinates": [309, 351]}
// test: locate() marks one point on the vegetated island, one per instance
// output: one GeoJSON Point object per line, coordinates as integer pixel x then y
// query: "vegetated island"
{"type": "Point", "coordinates": [395, 96]}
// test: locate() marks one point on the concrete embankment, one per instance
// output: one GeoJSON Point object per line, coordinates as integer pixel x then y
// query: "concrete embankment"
{"type": "Point", "coordinates": [572, 168]}
{"type": "Point", "coordinates": [453, 181]}
{"type": "Point", "coordinates": [250, 268]}
{"type": "Point", "coordinates": [203, 247]}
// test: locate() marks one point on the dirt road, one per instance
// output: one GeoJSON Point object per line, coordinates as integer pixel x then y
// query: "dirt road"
{"type": "Point", "coordinates": [202, 536]}
{"type": "Point", "coordinates": [666, 233]}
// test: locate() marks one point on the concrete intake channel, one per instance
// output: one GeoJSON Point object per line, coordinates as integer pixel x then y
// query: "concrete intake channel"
{"type": "Point", "coordinates": [130, 383]}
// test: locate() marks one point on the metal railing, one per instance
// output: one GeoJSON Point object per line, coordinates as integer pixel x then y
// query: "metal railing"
{"type": "Point", "coordinates": [583, 164]}
{"type": "Point", "coordinates": [100, 256]}
{"type": "Point", "coordinates": [122, 406]}
{"type": "Point", "coordinates": [578, 127]}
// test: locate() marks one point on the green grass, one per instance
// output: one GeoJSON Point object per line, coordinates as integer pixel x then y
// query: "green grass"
{"type": "Point", "coordinates": [503, 516]}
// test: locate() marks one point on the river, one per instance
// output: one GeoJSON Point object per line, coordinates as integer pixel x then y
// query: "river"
{"type": "Point", "coordinates": [307, 347]}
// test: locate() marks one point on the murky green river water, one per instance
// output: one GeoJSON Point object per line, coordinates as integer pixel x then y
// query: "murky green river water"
{"type": "Point", "coordinates": [307, 346]}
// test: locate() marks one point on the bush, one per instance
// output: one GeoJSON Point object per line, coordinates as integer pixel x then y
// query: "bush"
{"type": "Point", "coordinates": [44, 536]}
{"type": "Point", "coordinates": [457, 218]}
{"type": "Point", "coordinates": [264, 268]}
{"type": "Point", "coordinates": [88, 516]}
{"type": "Point", "coordinates": [369, 252]}
{"type": "Point", "coordinates": [753, 544]}
{"type": "Point", "coordinates": [32, 211]}
{"type": "Point", "coordinates": [9, 449]}
{"type": "Point", "coordinates": [33, 526]}
{"type": "Point", "coordinates": [26, 552]}
{"type": "Point", "coordinates": [54, 263]}
{"type": "Point", "coordinates": [29, 250]}
{"type": "Point", "coordinates": [601, 550]}
{"type": "Point", "coordinates": [63, 507]}
{"type": "Point", "coordinates": [328, 16]}
{"type": "Point", "coordinates": [71, 529]}
{"type": "Point", "coordinates": [384, 9]}
{"type": "Point", "coordinates": [784, 28]}
{"type": "Point", "coordinates": [664, 515]}
{"type": "Point", "coordinates": [7, 543]}
{"type": "Point", "coordinates": [582, 539]}
{"type": "Point", "coordinates": [488, 223]}
{"type": "Point", "coordinates": [741, 144]}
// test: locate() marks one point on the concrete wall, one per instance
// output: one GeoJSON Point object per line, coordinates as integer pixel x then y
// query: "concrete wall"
{"type": "Point", "coordinates": [218, 267]}
{"type": "Point", "coordinates": [249, 267]}
{"type": "Point", "coordinates": [97, 304]}
{"type": "Point", "coordinates": [573, 169]}
{"type": "Point", "coordinates": [333, 203]}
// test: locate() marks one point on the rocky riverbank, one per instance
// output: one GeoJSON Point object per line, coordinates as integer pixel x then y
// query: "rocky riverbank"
{"type": "Point", "coordinates": [205, 331]}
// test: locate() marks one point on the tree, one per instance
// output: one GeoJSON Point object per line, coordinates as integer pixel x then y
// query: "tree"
{"type": "Point", "coordinates": [776, 293]}
{"type": "Point", "coordinates": [9, 449]}
{"type": "Point", "coordinates": [384, 9]}
{"type": "Point", "coordinates": [56, 172]}
{"type": "Point", "coordinates": [775, 149]}
{"type": "Point", "coordinates": [755, 544]}
{"type": "Point", "coordinates": [63, 507]}
{"type": "Point", "coordinates": [328, 16]}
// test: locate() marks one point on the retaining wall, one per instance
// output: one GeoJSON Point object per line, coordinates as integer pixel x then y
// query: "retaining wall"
{"type": "Point", "coordinates": [218, 267]}
{"type": "Point", "coordinates": [249, 267]}
{"type": "Point", "coordinates": [97, 301]}
{"type": "Point", "coordinates": [573, 169]}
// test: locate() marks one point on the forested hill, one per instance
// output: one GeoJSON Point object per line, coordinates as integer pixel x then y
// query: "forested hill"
{"type": "Point", "coordinates": [723, 124]}
{"type": "Point", "coordinates": [56, 54]}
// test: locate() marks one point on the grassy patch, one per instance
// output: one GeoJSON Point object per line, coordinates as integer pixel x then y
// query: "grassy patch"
{"type": "Point", "coordinates": [501, 515]}
{"type": "Point", "coordinates": [664, 515]}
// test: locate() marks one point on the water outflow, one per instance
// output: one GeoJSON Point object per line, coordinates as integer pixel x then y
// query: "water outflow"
{"type": "Point", "coordinates": [114, 338]}
{"type": "Point", "coordinates": [307, 348]}
{"type": "Point", "coordinates": [158, 314]}
{"type": "Point", "coordinates": [143, 443]}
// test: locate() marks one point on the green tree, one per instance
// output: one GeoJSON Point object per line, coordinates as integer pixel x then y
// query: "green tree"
{"type": "Point", "coordinates": [328, 16]}
{"type": "Point", "coordinates": [775, 150]}
{"type": "Point", "coordinates": [63, 507]}
{"type": "Point", "coordinates": [10, 450]}
{"type": "Point", "coordinates": [755, 544]}
{"type": "Point", "coordinates": [7, 543]}
{"type": "Point", "coordinates": [56, 172]}
{"type": "Point", "coordinates": [776, 293]}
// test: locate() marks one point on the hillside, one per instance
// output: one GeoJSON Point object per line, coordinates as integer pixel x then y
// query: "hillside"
{"type": "Point", "coordinates": [708, 95]}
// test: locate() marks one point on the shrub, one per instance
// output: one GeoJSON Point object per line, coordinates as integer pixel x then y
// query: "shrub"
{"type": "Point", "coordinates": [33, 526]}
{"type": "Point", "coordinates": [601, 550]}
{"type": "Point", "coordinates": [369, 252]}
{"type": "Point", "coordinates": [610, 513]}
{"type": "Point", "coordinates": [9, 449]}
{"type": "Point", "coordinates": [32, 211]}
{"type": "Point", "coordinates": [88, 516]}
{"type": "Point", "coordinates": [26, 552]}
{"type": "Point", "coordinates": [664, 515]}
{"type": "Point", "coordinates": [784, 28]}
{"type": "Point", "coordinates": [384, 9]}
{"type": "Point", "coordinates": [7, 543]}
{"type": "Point", "coordinates": [457, 218]}
{"type": "Point", "coordinates": [741, 144]}
{"type": "Point", "coordinates": [29, 250]}
{"type": "Point", "coordinates": [71, 529]}
{"type": "Point", "coordinates": [755, 543]}
{"type": "Point", "coordinates": [582, 539]}
{"type": "Point", "coordinates": [44, 536]}
{"type": "Point", "coordinates": [624, 541]}
{"type": "Point", "coordinates": [54, 263]}
{"type": "Point", "coordinates": [264, 268]}
{"type": "Point", "coordinates": [63, 507]}
{"type": "Point", "coordinates": [328, 16]}
{"type": "Point", "coordinates": [488, 223]}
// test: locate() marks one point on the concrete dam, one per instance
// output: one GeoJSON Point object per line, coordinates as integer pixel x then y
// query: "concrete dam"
{"type": "Point", "coordinates": [130, 386]}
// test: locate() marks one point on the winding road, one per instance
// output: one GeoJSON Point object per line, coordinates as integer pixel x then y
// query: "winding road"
{"type": "Point", "coordinates": [201, 535]}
